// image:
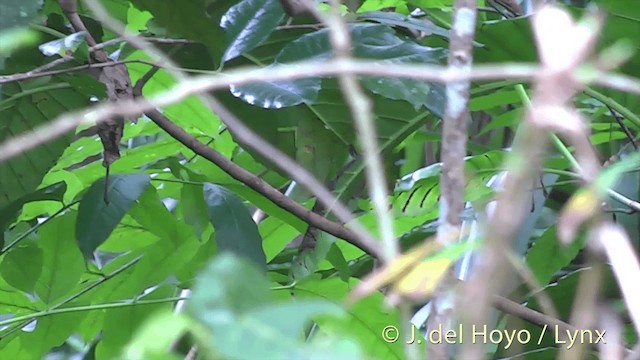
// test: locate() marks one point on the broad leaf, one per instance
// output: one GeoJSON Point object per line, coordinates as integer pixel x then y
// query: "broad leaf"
{"type": "Point", "coordinates": [409, 22]}
{"type": "Point", "coordinates": [21, 267]}
{"type": "Point", "coordinates": [25, 107]}
{"type": "Point", "coordinates": [52, 192]}
{"type": "Point", "coordinates": [62, 264]}
{"type": "Point", "coordinates": [231, 299]}
{"type": "Point", "coordinates": [374, 42]}
{"type": "Point", "coordinates": [121, 323]}
{"type": "Point", "coordinates": [228, 285]}
{"type": "Point", "coordinates": [17, 13]}
{"type": "Point", "coordinates": [235, 229]}
{"type": "Point", "coordinates": [96, 219]}
{"type": "Point", "coordinates": [197, 20]}
{"type": "Point", "coordinates": [248, 24]}
{"type": "Point", "coordinates": [366, 318]}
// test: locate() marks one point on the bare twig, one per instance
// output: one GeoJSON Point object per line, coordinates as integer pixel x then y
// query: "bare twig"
{"type": "Point", "coordinates": [360, 107]}
{"type": "Point", "coordinates": [554, 87]}
{"type": "Point", "coordinates": [454, 150]}
{"type": "Point", "coordinates": [196, 85]}
{"type": "Point", "coordinates": [4, 79]}
{"type": "Point", "coordinates": [624, 127]}
{"type": "Point", "coordinates": [203, 83]}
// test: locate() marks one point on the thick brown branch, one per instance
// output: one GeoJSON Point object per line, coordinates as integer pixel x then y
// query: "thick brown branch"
{"type": "Point", "coordinates": [262, 187]}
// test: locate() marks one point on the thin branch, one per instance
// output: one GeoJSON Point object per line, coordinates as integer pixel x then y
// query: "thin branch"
{"type": "Point", "coordinates": [204, 83]}
{"type": "Point", "coordinates": [367, 244]}
{"type": "Point", "coordinates": [196, 85]}
{"type": "Point", "coordinates": [361, 111]}
{"type": "Point", "coordinates": [454, 134]}
{"type": "Point", "coordinates": [4, 79]}
{"type": "Point", "coordinates": [554, 87]}
{"type": "Point", "coordinates": [453, 153]}
{"type": "Point", "coordinates": [36, 227]}
{"type": "Point", "coordinates": [624, 127]}
{"type": "Point", "coordinates": [119, 304]}
{"type": "Point", "coordinates": [73, 297]}
{"type": "Point", "coordinates": [360, 237]}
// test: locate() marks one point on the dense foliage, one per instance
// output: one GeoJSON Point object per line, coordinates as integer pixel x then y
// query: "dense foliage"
{"type": "Point", "coordinates": [93, 267]}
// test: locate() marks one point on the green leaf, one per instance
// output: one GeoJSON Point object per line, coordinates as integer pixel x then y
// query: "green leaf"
{"type": "Point", "coordinates": [248, 24]}
{"type": "Point", "coordinates": [273, 329]}
{"type": "Point", "coordinates": [150, 212]}
{"type": "Point", "coordinates": [228, 285]}
{"type": "Point", "coordinates": [50, 331]}
{"type": "Point", "coordinates": [235, 229]}
{"type": "Point", "coordinates": [196, 20]}
{"type": "Point", "coordinates": [336, 258]}
{"type": "Point", "coordinates": [21, 267]}
{"type": "Point", "coordinates": [374, 42]}
{"type": "Point", "coordinates": [121, 323]}
{"type": "Point", "coordinates": [409, 22]}
{"type": "Point", "coordinates": [157, 335]}
{"type": "Point", "coordinates": [13, 39]}
{"type": "Point", "coordinates": [96, 220]}
{"type": "Point", "coordinates": [13, 302]}
{"type": "Point", "coordinates": [194, 209]}
{"type": "Point", "coordinates": [278, 94]}
{"type": "Point", "coordinates": [276, 234]}
{"type": "Point", "coordinates": [231, 297]}
{"type": "Point", "coordinates": [547, 255]}
{"type": "Point", "coordinates": [53, 192]}
{"type": "Point", "coordinates": [23, 107]}
{"type": "Point", "coordinates": [63, 264]}
{"type": "Point", "coordinates": [365, 321]}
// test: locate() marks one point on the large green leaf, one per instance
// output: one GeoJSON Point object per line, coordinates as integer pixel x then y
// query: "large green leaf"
{"type": "Point", "coordinates": [52, 192]}
{"type": "Point", "coordinates": [375, 42]}
{"type": "Point", "coordinates": [229, 285]}
{"type": "Point", "coordinates": [409, 22]}
{"type": "Point", "coordinates": [248, 24]}
{"type": "Point", "coordinates": [197, 20]}
{"type": "Point", "coordinates": [122, 323]}
{"type": "Point", "coordinates": [96, 219]}
{"type": "Point", "coordinates": [14, 302]}
{"type": "Point", "coordinates": [62, 264]}
{"type": "Point", "coordinates": [194, 208]}
{"type": "Point", "coordinates": [50, 331]}
{"type": "Point", "coordinates": [276, 234]}
{"type": "Point", "coordinates": [547, 256]}
{"type": "Point", "coordinates": [235, 230]}
{"type": "Point", "coordinates": [21, 267]}
{"type": "Point", "coordinates": [231, 298]}
{"type": "Point", "coordinates": [365, 321]}
{"type": "Point", "coordinates": [23, 107]}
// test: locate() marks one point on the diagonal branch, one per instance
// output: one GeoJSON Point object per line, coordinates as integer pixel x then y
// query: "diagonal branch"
{"type": "Point", "coordinates": [368, 245]}
{"type": "Point", "coordinates": [196, 85]}
{"type": "Point", "coordinates": [246, 136]}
